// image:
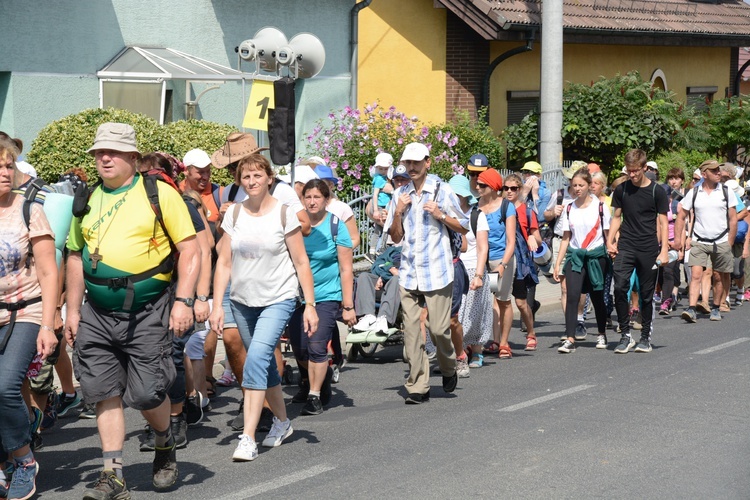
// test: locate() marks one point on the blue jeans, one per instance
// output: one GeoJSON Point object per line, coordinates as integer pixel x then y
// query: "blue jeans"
{"type": "Point", "coordinates": [260, 329]}
{"type": "Point", "coordinates": [14, 362]}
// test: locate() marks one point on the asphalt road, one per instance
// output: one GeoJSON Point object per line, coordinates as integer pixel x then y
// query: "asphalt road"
{"type": "Point", "coordinates": [674, 423]}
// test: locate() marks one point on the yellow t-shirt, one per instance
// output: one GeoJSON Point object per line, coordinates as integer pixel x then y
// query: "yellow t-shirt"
{"type": "Point", "coordinates": [122, 228]}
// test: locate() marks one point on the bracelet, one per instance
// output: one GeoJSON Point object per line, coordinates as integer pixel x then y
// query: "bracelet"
{"type": "Point", "coordinates": [45, 327]}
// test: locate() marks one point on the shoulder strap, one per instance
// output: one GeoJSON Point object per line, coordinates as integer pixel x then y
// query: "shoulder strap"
{"type": "Point", "coordinates": [437, 190]}
{"type": "Point", "coordinates": [234, 189]}
{"type": "Point", "coordinates": [29, 196]}
{"type": "Point", "coordinates": [216, 192]}
{"type": "Point", "coordinates": [474, 219]}
{"type": "Point", "coordinates": [152, 192]}
{"type": "Point", "coordinates": [334, 227]}
{"type": "Point", "coordinates": [504, 210]}
{"type": "Point", "coordinates": [560, 196]}
{"type": "Point", "coordinates": [191, 201]}
{"type": "Point", "coordinates": [273, 186]}
{"type": "Point", "coordinates": [283, 216]}
{"type": "Point", "coordinates": [567, 210]}
{"type": "Point", "coordinates": [601, 220]}
{"type": "Point", "coordinates": [235, 213]}
{"type": "Point", "coordinates": [692, 209]}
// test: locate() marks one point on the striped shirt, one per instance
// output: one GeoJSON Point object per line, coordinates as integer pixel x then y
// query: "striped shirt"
{"type": "Point", "coordinates": [426, 259]}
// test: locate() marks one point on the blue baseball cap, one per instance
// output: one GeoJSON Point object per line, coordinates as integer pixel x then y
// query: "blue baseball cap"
{"type": "Point", "coordinates": [478, 163]}
{"type": "Point", "coordinates": [326, 173]}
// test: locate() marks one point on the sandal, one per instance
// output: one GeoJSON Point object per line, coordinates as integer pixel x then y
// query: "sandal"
{"type": "Point", "coordinates": [504, 352]}
{"type": "Point", "coordinates": [492, 348]}
{"type": "Point", "coordinates": [530, 344]}
{"type": "Point", "coordinates": [210, 386]}
{"type": "Point", "coordinates": [477, 360]}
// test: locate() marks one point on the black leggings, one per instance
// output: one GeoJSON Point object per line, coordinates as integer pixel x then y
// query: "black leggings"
{"type": "Point", "coordinates": [669, 277]}
{"type": "Point", "coordinates": [577, 284]}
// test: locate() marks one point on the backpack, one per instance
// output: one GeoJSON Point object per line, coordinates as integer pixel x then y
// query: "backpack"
{"type": "Point", "coordinates": [234, 189]}
{"type": "Point", "coordinates": [34, 193]}
{"type": "Point", "coordinates": [474, 220]}
{"type": "Point", "coordinates": [701, 239]}
{"type": "Point", "coordinates": [455, 236]}
{"type": "Point", "coordinates": [525, 266]}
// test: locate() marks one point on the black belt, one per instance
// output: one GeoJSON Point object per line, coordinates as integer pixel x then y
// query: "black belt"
{"type": "Point", "coordinates": [14, 307]}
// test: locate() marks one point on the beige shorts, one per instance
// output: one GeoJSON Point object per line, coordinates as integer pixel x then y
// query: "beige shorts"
{"type": "Point", "coordinates": [506, 284]}
{"type": "Point", "coordinates": [703, 254]}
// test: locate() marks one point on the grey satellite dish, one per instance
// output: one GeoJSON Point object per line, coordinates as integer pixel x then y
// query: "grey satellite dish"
{"type": "Point", "coordinates": [262, 48]}
{"type": "Point", "coordinates": [304, 55]}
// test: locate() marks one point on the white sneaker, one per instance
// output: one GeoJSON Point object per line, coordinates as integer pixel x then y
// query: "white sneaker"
{"type": "Point", "coordinates": [364, 323]}
{"type": "Point", "coordinates": [246, 450]}
{"type": "Point", "coordinates": [462, 368]}
{"type": "Point", "coordinates": [278, 433]}
{"type": "Point", "coordinates": [380, 325]}
{"type": "Point", "coordinates": [601, 341]}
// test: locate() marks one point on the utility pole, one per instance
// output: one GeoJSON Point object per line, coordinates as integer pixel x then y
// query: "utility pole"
{"type": "Point", "coordinates": [550, 118]}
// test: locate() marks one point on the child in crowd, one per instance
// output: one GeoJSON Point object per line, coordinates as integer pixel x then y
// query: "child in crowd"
{"type": "Point", "coordinates": [382, 191]}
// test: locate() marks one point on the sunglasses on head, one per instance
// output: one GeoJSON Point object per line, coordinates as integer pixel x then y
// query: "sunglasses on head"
{"type": "Point", "coordinates": [510, 188]}
{"type": "Point", "coordinates": [481, 185]}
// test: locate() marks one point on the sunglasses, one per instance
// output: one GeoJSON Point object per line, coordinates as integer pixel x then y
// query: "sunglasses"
{"type": "Point", "coordinates": [481, 186]}
{"type": "Point", "coordinates": [696, 178]}
{"type": "Point", "coordinates": [712, 170]}
{"type": "Point", "coordinates": [510, 188]}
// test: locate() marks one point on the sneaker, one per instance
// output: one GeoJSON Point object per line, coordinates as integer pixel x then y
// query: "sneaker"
{"type": "Point", "coordinates": [431, 355]}
{"type": "Point", "coordinates": [609, 322]}
{"type": "Point", "coordinates": [336, 373]}
{"type": "Point", "coordinates": [666, 306]}
{"type": "Point", "coordinates": [278, 433]}
{"type": "Point", "coordinates": [364, 323]}
{"type": "Point", "coordinates": [23, 483]}
{"type": "Point", "coordinates": [747, 294]}
{"type": "Point", "coordinates": [226, 380]}
{"type": "Point", "coordinates": [165, 468]}
{"type": "Point", "coordinates": [644, 345]}
{"type": "Point", "coordinates": [689, 315]}
{"type": "Point", "coordinates": [636, 322]}
{"type": "Point", "coordinates": [49, 416]}
{"type": "Point", "coordinates": [715, 315]}
{"type": "Point", "coordinates": [450, 383]}
{"type": "Point", "coordinates": [703, 308]}
{"type": "Point", "coordinates": [380, 325]}
{"type": "Point", "coordinates": [246, 451]}
{"type": "Point", "coordinates": [194, 408]}
{"type": "Point", "coordinates": [417, 399]}
{"type": "Point", "coordinates": [108, 486]}
{"type": "Point", "coordinates": [739, 299]}
{"type": "Point", "coordinates": [313, 406]}
{"type": "Point", "coordinates": [36, 422]}
{"type": "Point", "coordinates": [657, 298]}
{"type": "Point", "coordinates": [67, 404]}
{"type": "Point", "coordinates": [626, 343]}
{"type": "Point", "coordinates": [302, 393]}
{"type": "Point", "coordinates": [567, 347]}
{"type": "Point", "coordinates": [179, 430]}
{"type": "Point", "coordinates": [238, 422]}
{"type": "Point", "coordinates": [601, 341]}
{"type": "Point", "coordinates": [326, 392]}
{"type": "Point", "coordinates": [149, 437]}
{"type": "Point", "coordinates": [580, 331]}
{"type": "Point", "coordinates": [88, 411]}
{"type": "Point", "coordinates": [266, 420]}
{"type": "Point", "coordinates": [462, 367]}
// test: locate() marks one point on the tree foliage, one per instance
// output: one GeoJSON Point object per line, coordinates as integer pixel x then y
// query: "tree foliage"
{"type": "Point", "coordinates": [728, 123]}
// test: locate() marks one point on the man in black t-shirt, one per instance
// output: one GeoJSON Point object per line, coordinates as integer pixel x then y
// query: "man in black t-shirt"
{"type": "Point", "coordinates": [640, 218]}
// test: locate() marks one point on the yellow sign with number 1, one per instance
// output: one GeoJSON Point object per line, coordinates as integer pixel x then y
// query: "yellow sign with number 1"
{"type": "Point", "coordinates": [261, 100]}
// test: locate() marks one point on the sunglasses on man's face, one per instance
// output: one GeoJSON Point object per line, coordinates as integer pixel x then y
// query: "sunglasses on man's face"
{"type": "Point", "coordinates": [510, 188]}
{"type": "Point", "coordinates": [481, 186]}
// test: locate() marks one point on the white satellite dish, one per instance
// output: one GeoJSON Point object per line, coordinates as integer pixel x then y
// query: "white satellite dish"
{"type": "Point", "coordinates": [304, 55]}
{"type": "Point", "coordinates": [262, 48]}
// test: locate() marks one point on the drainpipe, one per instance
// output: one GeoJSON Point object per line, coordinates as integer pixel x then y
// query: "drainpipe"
{"type": "Point", "coordinates": [355, 46]}
{"type": "Point", "coordinates": [530, 35]}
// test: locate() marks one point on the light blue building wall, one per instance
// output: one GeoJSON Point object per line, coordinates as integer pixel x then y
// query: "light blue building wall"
{"type": "Point", "coordinates": [52, 50]}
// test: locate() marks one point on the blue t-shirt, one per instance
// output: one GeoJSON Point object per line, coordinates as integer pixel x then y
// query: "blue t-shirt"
{"type": "Point", "coordinates": [324, 262]}
{"type": "Point", "coordinates": [378, 182]}
{"type": "Point", "coordinates": [496, 236]}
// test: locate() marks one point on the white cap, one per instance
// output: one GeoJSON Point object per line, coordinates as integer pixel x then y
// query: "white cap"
{"type": "Point", "coordinates": [316, 160]}
{"type": "Point", "coordinates": [652, 164]}
{"type": "Point", "coordinates": [197, 158]}
{"type": "Point", "coordinates": [415, 152]}
{"type": "Point", "coordinates": [302, 173]}
{"type": "Point", "coordinates": [698, 173]}
{"type": "Point", "coordinates": [26, 168]}
{"type": "Point", "coordinates": [384, 160]}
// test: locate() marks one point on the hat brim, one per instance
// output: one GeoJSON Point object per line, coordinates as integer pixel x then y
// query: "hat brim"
{"type": "Point", "coordinates": [531, 171]}
{"type": "Point", "coordinates": [113, 146]}
{"type": "Point", "coordinates": [220, 160]}
{"type": "Point", "coordinates": [474, 168]}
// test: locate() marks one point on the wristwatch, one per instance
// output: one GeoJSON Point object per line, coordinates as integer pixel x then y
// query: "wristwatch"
{"type": "Point", "coordinates": [311, 304]}
{"type": "Point", "coordinates": [188, 302]}
{"type": "Point", "coordinates": [443, 216]}
{"type": "Point", "coordinates": [202, 298]}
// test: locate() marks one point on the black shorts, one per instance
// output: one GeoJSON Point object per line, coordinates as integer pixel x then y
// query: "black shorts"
{"type": "Point", "coordinates": [520, 288]}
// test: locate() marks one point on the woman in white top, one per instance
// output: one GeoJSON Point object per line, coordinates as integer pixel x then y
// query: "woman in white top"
{"type": "Point", "coordinates": [585, 228]}
{"type": "Point", "coordinates": [261, 249]}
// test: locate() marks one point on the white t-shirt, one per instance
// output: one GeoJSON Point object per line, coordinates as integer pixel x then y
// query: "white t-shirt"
{"type": "Point", "coordinates": [710, 212]}
{"type": "Point", "coordinates": [340, 209]}
{"type": "Point", "coordinates": [582, 221]}
{"type": "Point", "coordinates": [262, 270]}
{"type": "Point", "coordinates": [283, 192]}
{"type": "Point", "coordinates": [567, 200]}
{"type": "Point", "coordinates": [469, 257]}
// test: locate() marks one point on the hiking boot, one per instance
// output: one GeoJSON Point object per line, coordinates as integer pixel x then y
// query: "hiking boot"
{"type": "Point", "coordinates": [313, 406]}
{"type": "Point", "coordinates": [626, 343]}
{"type": "Point", "coordinates": [165, 467]}
{"type": "Point", "coordinates": [580, 331]}
{"type": "Point", "coordinates": [644, 345]}
{"type": "Point", "coordinates": [88, 411]}
{"type": "Point", "coordinates": [666, 306]}
{"type": "Point", "coordinates": [107, 487]}
{"type": "Point", "coordinates": [715, 315]}
{"type": "Point", "coordinates": [194, 409]}
{"type": "Point", "coordinates": [246, 450]}
{"type": "Point", "coordinates": [450, 383]}
{"type": "Point", "coordinates": [238, 422]}
{"type": "Point", "coordinates": [304, 391]}
{"type": "Point", "coordinates": [567, 347]}
{"type": "Point", "coordinates": [278, 433]}
{"type": "Point", "coordinates": [149, 437]}
{"type": "Point", "coordinates": [23, 483]}
{"type": "Point", "coordinates": [601, 341]}
{"type": "Point", "coordinates": [462, 367]}
{"type": "Point", "coordinates": [689, 315]}
{"type": "Point", "coordinates": [67, 404]}
{"type": "Point", "coordinates": [179, 430]}
{"type": "Point", "coordinates": [636, 322]}
{"type": "Point", "coordinates": [326, 392]}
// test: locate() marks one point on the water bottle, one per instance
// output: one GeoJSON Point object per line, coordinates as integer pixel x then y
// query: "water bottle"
{"type": "Point", "coordinates": [673, 256]}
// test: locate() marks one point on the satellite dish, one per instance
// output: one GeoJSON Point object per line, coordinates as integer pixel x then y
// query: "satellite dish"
{"type": "Point", "coordinates": [305, 55]}
{"type": "Point", "coordinates": [262, 48]}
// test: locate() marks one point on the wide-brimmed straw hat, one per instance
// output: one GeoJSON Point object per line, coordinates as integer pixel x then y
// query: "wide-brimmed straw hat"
{"type": "Point", "coordinates": [236, 147]}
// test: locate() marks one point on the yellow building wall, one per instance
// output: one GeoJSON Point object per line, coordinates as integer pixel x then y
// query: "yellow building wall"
{"type": "Point", "coordinates": [682, 66]}
{"type": "Point", "coordinates": [401, 57]}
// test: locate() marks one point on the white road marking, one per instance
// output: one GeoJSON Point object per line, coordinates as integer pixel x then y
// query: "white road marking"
{"type": "Point", "coordinates": [723, 346]}
{"type": "Point", "coordinates": [548, 397]}
{"type": "Point", "coordinates": [281, 481]}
